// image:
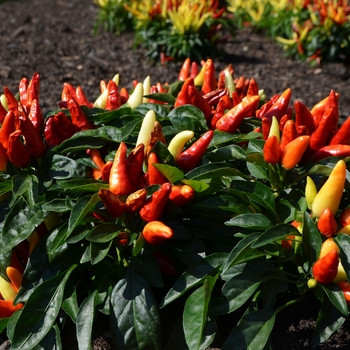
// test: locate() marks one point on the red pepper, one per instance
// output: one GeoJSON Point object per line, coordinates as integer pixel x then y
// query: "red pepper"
{"type": "Point", "coordinates": [119, 180]}
{"type": "Point", "coordinates": [7, 308]}
{"type": "Point", "coordinates": [3, 158]}
{"type": "Point", "coordinates": [214, 96]}
{"type": "Point", "coordinates": [239, 86]}
{"type": "Point", "coordinates": [293, 151]}
{"type": "Point", "coordinates": [236, 100]}
{"type": "Point", "coordinates": [326, 268]}
{"type": "Point", "coordinates": [318, 110]}
{"type": "Point", "coordinates": [194, 70]}
{"type": "Point", "coordinates": [185, 70]}
{"type": "Point", "coordinates": [183, 98]}
{"type": "Point", "coordinates": [266, 106]}
{"type": "Point", "coordinates": [78, 117]}
{"type": "Point", "coordinates": [68, 91]}
{"type": "Point", "coordinates": [272, 150]}
{"type": "Point", "coordinates": [155, 177]}
{"type": "Point", "coordinates": [252, 88]}
{"type": "Point", "coordinates": [265, 127]}
{"type": "Point", "coordinates": [303, 116]}
{"type": "Point", "coordinates": [33, 89]}
{"type": "Point", "coordinates": [16, 151]}
{"type": "Point", "coordinates": [219, 112]}
{"type": "Point", "coordinates": [35, 114]}
{"type": "Point", "coordinates": [135, 161]}
{"type": "Point", "coordinates": [136, 200]}
{"type": "Point", "coordinates": [331, 151]}
{"type": "Point", "coordinates": [327, 224]}
{"type": "Point", "coordinates": [50, 133]}
{"type": "Point", "coordinates": [12, 103]}
{"type": "Point", "coordinates": [124, 95]}
{"type": "Point", "coordinates": [10, 124]}
{"type": "Point", "coordinates": [209, 82]}
{"type": "Point", "coordinates": [344, 217]}
{"type": "Point", "coordinates": [106, 170]}
{"type": "Point", "coordinates": [113, 98]}
{"type": "Point", "coordinates": [23, 86]}
{"type": "Point", "coordinates": [231, 120]}
{"type": "Point", "coordinates": [197, 100]}
{"type": "Point", "coordinates": [155, 204]}
{"type": "Point", "coordinates": [32, 136]}
{"type": "Point", "coordinates": [156, 233]}
{"type": "Point", "coordinates": [181, 194]}
{"type": "Point", "coordinates": [302, 130]}
{"type": "Point", "coordinates": [321, 135]}
{"type": "Point", "coordinates": [279, 108]}
{"type": "Point", "coordinates": [114, 205]}
{"type": "Point", "coordinates": [156, 135]}
{"type": "Point", "coordinates": [98, 161]}
{"type": "Point", "coordinates": [188, 159]}
{"type": "Point", "coordinates": [81, 98]}
{"type": "Point", "coordinates": [342, 136]}
{"type": "Point", "coordinates": [283, 121]}
{"type": "Point", "coordinates": [289, 133]}
{"type": "Point", "coordinates": [63, 126]}
{"type": "Point", "coordinates": [345, 288]}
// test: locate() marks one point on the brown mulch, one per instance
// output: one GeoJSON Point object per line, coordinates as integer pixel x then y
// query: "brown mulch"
{"type": "Point", "coordinates": [56, 39]}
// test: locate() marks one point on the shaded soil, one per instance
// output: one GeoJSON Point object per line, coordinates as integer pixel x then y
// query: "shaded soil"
{"type": "Point", "coordinates": [56, 39]}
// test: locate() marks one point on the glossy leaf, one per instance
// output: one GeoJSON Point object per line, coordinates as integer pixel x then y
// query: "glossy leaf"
{"type": "Point", "coordinates": [135, 320]}
{"type": "Point", "coordinates": [40, 312]}
{"type": "Point", "coordinates": [195, 313]}
{"type": "Point", "coordinates": [329, 320]}
{"type": "Point", "coordinates": [274, 234]}
{"type": "Point", "coordinates": [104, 232]}
{"type": "Point", "coordinates": [253, 331]}
{"type": "Point", "coordinates": [20, 223]}
{"type": "Point", "coordinates": [195, 275]}
{"type": "Point", "coordinates": [226, 153]}
{"type": "Point", "coordinates": [343, 242]}
{"type": "Point", "coordinates": [81, 209]}
{"type": "Point", "coordinates": [336, 297]}
{"type": "Point", "coordinates": [211, 170]}
{"type": "Point", "coordinates": [252, 221]}
{"type": "Point", "coordinates": [172, 173]}
{"type": "Point", "coordinates": [26, 187]}
{"type": "Point", "coordinates": [75, 185]}
{"type": "Point", "coordinates": [188, 117]}
{"type": "Point", "coordinates": [85, 320]}
{"type": "Point", "coordinates": [98, 251]}
{"type": "Point", "coordinates": [65, 168]}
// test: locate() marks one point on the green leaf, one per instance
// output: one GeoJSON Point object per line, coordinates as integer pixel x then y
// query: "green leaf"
{"type": "Point", "coordinates": [241, 251]}
{"type": "Point", "coordinates": [83, 206]}
{"type": "Point", "coordinates": [85, 320]}
{"type": "Point", "coordinates": [258, 171]}
{"type": "Point", "coordinates": [162, 97]}
{"type": "Point", "coordinates": [343, 241]}
{"type": "Point", "coordinates": [188, 117]}
{"type": "Point", "coordinates": [40, 312]}
{"type": "Point", "coordinates": [194, 276]}
{"type": "Point", "coordinates": [263, 196]}
{"type": "Point", "coordinates": [253, 331]}
{"type": "Point", "coordinates": [274, 234]}
{"type": "Point", "coordinates": [79, 185]}
{"type": "Point", "coordinates": [135, 322]}
{"type": "Point", "coordinates": [252, 221]}
{"type": "Point", "coordinates": [25, 186]}
{"type": "Point", "coordinates": [104, 232]}
{"type": "Point", "coordinates": [226, 153]}
{"type": "Point", "coordinates": [236, 292]}
{"type": "Point", "coordinates": [57, 205]}
{"type": "Point", "coordinates": [256, 159]}
{"type": "Point", "coordinates": [98, 251]}
{"type": "Point", "coordinates": [172, 173]}
{"type": "Point", "coordinates": [147, 267]}
{"type": "Point", "coordinates": [198, 186]}
{"type": "Point", "coordinates": [195, 313]}
{"type": "Point", "coordinates": [329, 320]}
{"type": "Point", "coordinates": [312, 240]}
{"type": "Point", "coordinates": [70, 302]}
{"type": "Point", "coordinates": [20, 223]}
{"type": "Point", "coordinates": [336, 297]}
{"type": "Point", "coordinates": [211, 170]}
{"type": "Point", "coordinates": [65, 168]}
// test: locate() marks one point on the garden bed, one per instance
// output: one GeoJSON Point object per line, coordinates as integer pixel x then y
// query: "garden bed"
{"type": "Point", "coordinates": [56, 39]}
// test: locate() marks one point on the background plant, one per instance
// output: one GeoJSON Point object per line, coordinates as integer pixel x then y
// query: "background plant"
{"type": "Point", "coordinates": [173, 29]}
{"type": "Point", "coordinates": [314, 31]}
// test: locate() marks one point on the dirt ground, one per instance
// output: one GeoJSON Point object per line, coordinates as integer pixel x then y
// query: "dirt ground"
{"type": "Point", "coordinates": [56, 39]}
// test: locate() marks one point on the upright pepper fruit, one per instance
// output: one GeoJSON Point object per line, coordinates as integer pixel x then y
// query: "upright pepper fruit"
{"type": "Point", "coordinates": [303, 116]}
{"type": "Point", "coordinates": [293, 152]}
{"type": "Point", "coordinates": [279, 108]}
{"type": "Point", "coordinates": [327, 224]}
{"type": "Point", "coordinates": [178, 142]}
{"type": "Point", "coordinates": [35, 115]}
{"type": "Point", "coordinates": [188, 159]}
{"type": "Point", "coordinates": [119, 180]}
{"type": "Point", "coordinates": [9, 125]}
{"type": "Point", "coordinates": [185, 70]}
{"type": "Point", "coordinates": [209, 79]}
{"type": "Point", "coordinates": [156, 233]}
{"type": "Point", "coordinates": [330, 194]}
{"type": "Point", "coordinates": [155, 177]}
{"type": "Point", "coordinates": [181, 194]}
{"type": "Point", "coordinates": [156, 135]}
{"type": "Point", "coordinates": [146, 128]}
{"type": "Point", "coordinates": [78, 117]}
{"type": "Point", "coordinates": [310, 191]}
{"type": "Point", "coordinates": [136, 200]}
{"type": "Point", "coordinates": [18, 154]}
{"type": "Point", "coordinates": [325, 269]}
{"type": "Point", "coordinates": [342, 136]}
{"type": "Point", "coordinates": [289, 133]}
{"type": "Point", "coordinates": [272, 150]}
{"type": "Point", "coordinates": [135, 161]}
{"type": "Point", "coordinates": [155, 204]}
{"type": "Point", "coordinates": [183, 97]}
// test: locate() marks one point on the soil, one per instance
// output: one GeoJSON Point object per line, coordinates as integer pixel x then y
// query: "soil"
{"type": "Point", "coordinates": [57, 39]}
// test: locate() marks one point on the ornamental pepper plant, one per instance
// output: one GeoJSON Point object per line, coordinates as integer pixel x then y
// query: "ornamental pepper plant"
{"type": "Point", "coordinates": [197, 199]}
